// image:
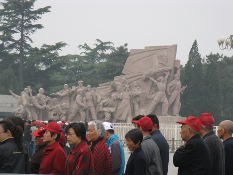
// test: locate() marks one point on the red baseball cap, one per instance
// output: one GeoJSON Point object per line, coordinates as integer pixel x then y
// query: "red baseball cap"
{"type": "Point", "coordinates": [38, 123]}
{"type": "Point", "coordinates": [206, 119]}
{"type": "Point", "coordinates": [53, 127]}
{"type": "Point", "coordinates": [39, 132]}
{"type": "Point", "coordinates": [193, 122]}
{"type": "Point", "coordinates": [145, 123]}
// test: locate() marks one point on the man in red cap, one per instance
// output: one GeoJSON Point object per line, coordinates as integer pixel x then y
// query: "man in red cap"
{"type": "Point", "coordinates": [149, 147]}
{"type": "Point", "coordinates": [53, 160]}
{"type": "Point", "coordinates": [192, 158]}
{"type": "Point", "coordinates": [214, 144]}
{"type": "Point", "coordinates": [37, 156]}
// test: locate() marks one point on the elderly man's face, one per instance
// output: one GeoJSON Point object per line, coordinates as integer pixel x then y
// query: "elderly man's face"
{"type": "Point", "coordinates": [92, 135]}
{"type": "Point", "coordinates": [221, 131]}
{"type": "Point", "coordinates": [185, 132]}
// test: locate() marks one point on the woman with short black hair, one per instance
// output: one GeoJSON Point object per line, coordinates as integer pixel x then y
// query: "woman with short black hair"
{"type": "Point", "coordinates": [80, 160]}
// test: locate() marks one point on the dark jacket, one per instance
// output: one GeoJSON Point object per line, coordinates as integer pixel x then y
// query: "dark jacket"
{"type": "Point", "coordinates": [163, 148]}
{"type": "Point", "coordinates": [217, 153]}
{"type": "Point", "coordinates": [193, 158]}
{"type": "Point", "coordinates": [136, 164]}
{"type": "Point", "coordinates": [53, 160]}
{"type": "Point", "coordinates": [80, 160]}
{"type": "Point", "coordinates": [228, 147]}
{"type": "Point", "coordinates": [12, 160]}
{"type": "Point", "coordinates": [36, 160]}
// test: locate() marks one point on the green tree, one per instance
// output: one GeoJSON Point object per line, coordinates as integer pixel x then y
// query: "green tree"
{"type": "Point", "coordinates": [212, 93]}
{"type": "Point", "coordinates": [193, 100]}
{"type": "Point", "coordinates": [18, 19]}
{"type": "Point", "coordinates": [114, 64]}
{"type": "Point", "coordinates": [45, 68]}
{"type": "Point", "coordinates": [226, 85]}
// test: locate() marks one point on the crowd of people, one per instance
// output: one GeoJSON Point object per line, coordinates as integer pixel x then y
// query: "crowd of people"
{"type": "Point", "coordinates": [94, 148]}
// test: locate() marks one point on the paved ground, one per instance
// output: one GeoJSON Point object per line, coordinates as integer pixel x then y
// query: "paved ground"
{"type": "Point", "coordinates": [171, 169]}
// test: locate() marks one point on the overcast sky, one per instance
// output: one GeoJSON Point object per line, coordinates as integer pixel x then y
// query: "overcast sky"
{"type": "Point", "coordinates": [139, 23]}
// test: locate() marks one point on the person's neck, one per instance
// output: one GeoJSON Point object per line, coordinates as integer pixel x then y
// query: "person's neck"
{"type": "Point", "coordinates": [145, 133]}
{"type": "Point", "coordinates": [225, 137]}
{"type": "Point", "coordinates": [50, 143]}
{"type": "Point", "coordinates": [203, 133]}
{"type": "Point", "coordinates": [6, 139]}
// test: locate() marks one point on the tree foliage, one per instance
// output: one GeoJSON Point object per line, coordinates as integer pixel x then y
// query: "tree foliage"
{"type": "Point", "coordinates": [193, 100]}
{"type": "Point", "coordinates": [18, 19]}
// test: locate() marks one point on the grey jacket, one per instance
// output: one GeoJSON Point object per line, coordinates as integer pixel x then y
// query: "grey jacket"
{"type": "Point", "coordinates": [153, 158]}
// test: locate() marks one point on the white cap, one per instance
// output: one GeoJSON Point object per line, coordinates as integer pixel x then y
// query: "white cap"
{"type": "Point", "coordinates": [108, 126]}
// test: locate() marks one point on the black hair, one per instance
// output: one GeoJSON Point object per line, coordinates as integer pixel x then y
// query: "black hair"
{"type": "Point", "coordinates": [138, 117]}
{"type": "Point", "coordinates": [17, 121]}
{"type": "Point", "coordinates": [16, 132]}
{"type": "Point", "coordinates": [79, 129]}
{"type": "Point", "coordinates": [111, 131]}
{"type": "Point", "coordinates": [135, 135]}
{"type": "Point", "coordinates": [154, 119]}
{"type": "Point", "coordinates": [57, 139]}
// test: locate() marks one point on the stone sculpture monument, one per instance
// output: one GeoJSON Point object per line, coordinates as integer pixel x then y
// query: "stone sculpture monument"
{"type": "Point", "coordinates": [150, 83]}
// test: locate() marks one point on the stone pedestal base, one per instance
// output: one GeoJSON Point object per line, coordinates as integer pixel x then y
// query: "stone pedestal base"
{"type": "Point", "coordinates": [170, 119]}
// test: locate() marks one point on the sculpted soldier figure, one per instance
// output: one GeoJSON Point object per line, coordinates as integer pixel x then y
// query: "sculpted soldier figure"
{"type": "Point", "coordinates": [40, 103]}
{"type": "Point", "coordinates": [174, 89]}
{"type": "Point", "coordinates": [78, 107]}
{"type": "Point", "coordinates": [135, 91]}
{"type": "Point", "coordinates": [108, 106]}
{"type": "Point", "coordinates": [19, 111]}
{"type": "Point", "coordinates": [160, 96]}
{"type": "Point", "coordinates": [64, 95]}
{"type": "Point", "coordinates": [27, 105]}
{"type": "Point", "coordinates": [90, 100]}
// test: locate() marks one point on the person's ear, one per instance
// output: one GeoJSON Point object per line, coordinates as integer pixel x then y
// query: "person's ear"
{"type": "Point", "coordinates": [54, 136]}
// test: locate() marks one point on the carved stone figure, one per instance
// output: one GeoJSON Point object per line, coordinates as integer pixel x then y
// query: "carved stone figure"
{"type": "Point", "coordinates": [160, 96]}
{"type": "Point", "coordinates": [90, 103]}
{"type": "Point", "coordinates": [19, 111]}
{"type": "Point", "coordinates": [78, 107]}
{"type": "Point", "coordinates": [135, 92]}
{"type": "Point", "coordinates": [40, 103]}
{"type": "Point", "coordinates": [123, 111]}
{"type": "Point", "coordinates": [64, 95]}
{"type": "Point", "coordinates": [174, 89]}
{"type": "Point", "coordinates": [74, 90]}
{"type": "Point", "coordinates": [27, 103]}
{"type": "Point", "coordinates": [108, 107]}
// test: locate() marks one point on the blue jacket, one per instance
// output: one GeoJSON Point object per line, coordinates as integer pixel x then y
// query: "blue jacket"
{"type": "Point", "coordinates": [163, 148]}
{"type": "Point", "coordinates": [117, 154]}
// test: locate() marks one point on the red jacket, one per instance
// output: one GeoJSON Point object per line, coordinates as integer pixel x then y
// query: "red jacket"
{"type": "Point", "coordinates": [53, 160]}
{"type": "Point", "coordinates": [102, 159]}
{"type": "Point", "coordinates": [80, 160]}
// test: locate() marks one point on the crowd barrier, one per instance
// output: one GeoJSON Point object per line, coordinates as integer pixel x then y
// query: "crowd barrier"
{"type": "Point", "coordinates": [169, 131]}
